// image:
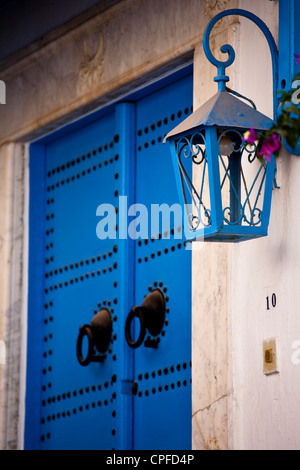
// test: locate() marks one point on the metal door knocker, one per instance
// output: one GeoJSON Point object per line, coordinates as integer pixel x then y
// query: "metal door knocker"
{"type": "Point", "coordinates": [99, 336]}
{"type": "Point", "coordinates": [151, 315]}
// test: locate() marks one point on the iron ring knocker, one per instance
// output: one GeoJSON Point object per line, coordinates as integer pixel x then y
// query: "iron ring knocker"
{"type": "Point", "coordinates": [99, 337]}
{"type": "Point", "coordinates": [136, 312]}
{"type": "Point", "coordinates": [85, 330]}
{"type": "Point", "coordinates": [151, 315]}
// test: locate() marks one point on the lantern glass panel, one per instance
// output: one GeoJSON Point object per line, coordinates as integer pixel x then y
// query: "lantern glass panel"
{"type": "Point", "coordinates": [242, 180]}
{"type": "Point", "coordinates": [194, 179]}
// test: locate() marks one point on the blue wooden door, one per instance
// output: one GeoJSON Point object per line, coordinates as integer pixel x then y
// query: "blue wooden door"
{"type": "Point", "coordinates": [73, 274]}
{"type": "Point", "coordinates": [77, 404]}
{"type": "Point", "coordinates": [162, 405]}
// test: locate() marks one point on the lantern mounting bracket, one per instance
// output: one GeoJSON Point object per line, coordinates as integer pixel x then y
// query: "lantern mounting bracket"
{"type": "Point", "coordinates": [222, 78]}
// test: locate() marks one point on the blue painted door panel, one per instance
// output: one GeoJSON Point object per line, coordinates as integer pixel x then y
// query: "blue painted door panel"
{"type": "Point", "coordinates": [162, 406]}
{"type": "Point", "coordinates": [78, 403]}
{"type": "Point", "coordinates": [72, 274]}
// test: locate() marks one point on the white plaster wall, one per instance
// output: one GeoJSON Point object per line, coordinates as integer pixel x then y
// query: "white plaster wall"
{"type": "Point", "coordinates": [211, 342]}
{"type": "Point", "coordinates": [235, 406]}
{"type": "Point", "coordinates": [265, 410]}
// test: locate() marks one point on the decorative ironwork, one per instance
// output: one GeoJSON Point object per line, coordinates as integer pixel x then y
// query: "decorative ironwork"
{"type": "Point", "coordinates": [242, 197]}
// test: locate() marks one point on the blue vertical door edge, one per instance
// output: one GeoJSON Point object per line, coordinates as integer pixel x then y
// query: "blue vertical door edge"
{"type": "Point", "coordinates": [35, 298]}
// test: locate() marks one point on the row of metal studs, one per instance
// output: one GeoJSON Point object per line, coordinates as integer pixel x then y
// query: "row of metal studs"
{"type": "Point", "coordinates": [73, 162]}
{"type": "Point", "coordinates": [77, 264]}
{"type": "Point", "coordinates": [68, 413]}
{"type": "Point", "coordinates": [164, 371]}
{"type": "Point", "coordinates": [164, 121]}
{"type": "Point", "coordinates": [92, 388]}
{"type": "Point", "coordinates": [165, 251]}
{"type": "Point", "coordinates": [78, 175]}
{"type": "Point", "coordinates": [83, 277]}
{"type": "Point", "coordinates": [160, 388]}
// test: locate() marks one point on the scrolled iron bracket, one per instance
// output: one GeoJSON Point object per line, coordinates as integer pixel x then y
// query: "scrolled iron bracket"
{"type": "Point", "coordinates": [222, 78]}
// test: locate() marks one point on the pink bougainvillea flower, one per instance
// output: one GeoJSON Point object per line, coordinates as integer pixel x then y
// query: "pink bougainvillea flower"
{"type": "Point", "coordinates": [250, 136]}
{"type": "Point", "coordinates": [298, 58]}
{"type": "Point", "coordinates": [269, 146]}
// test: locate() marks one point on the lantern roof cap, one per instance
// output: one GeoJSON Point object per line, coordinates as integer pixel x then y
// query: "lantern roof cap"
{"type": "Point", "coordinates": [223, 110]}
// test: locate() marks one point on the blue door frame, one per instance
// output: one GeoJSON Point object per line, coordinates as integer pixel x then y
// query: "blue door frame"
{"type": "Point", "coordinates": [289, 41]}
{"type": "Point", "coordinates": [125, 117]}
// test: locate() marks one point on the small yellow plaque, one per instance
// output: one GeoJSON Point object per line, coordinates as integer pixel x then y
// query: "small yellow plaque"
{"type": "Point", "coordinates": [270, 359]}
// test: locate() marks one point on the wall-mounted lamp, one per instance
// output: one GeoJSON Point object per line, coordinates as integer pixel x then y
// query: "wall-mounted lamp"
{"type": "Point", "coordinates": [226, 192]}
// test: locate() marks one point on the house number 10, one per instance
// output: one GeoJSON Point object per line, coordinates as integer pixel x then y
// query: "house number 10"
{"type": "Point", "coordinates": [273, 301]}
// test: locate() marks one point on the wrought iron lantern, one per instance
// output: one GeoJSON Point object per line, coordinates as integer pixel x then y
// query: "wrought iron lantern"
{"type": "Point", "coordinates": [224, 189]}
